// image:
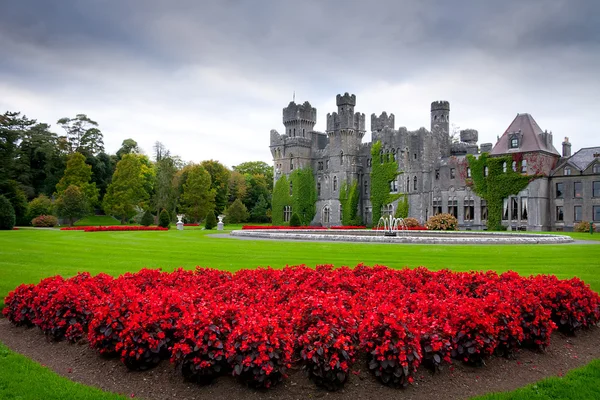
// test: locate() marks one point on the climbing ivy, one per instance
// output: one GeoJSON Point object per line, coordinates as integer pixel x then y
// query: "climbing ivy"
{"type": "Point", "coordinates": [349, 198]}
{"type": "Point", "coordinates": [402, 209]}
{"type": "Point", "coordinates": [281, 198]}
{"type": "Point", "coordinates": [383, 171]}
{"type": "Point", "coordinates": [304, 194]}
{"type": "Point", "coordinates": [497, 185]}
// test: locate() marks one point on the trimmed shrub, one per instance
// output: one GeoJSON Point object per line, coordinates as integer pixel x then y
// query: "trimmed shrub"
{"type": "Point", "coordinates": [295, 220]}
{"type": "Point", "coordinates": [583, 226]}
{"type": "Point", "coordinates": [442, 222]}
{"type": "Point", "coordinates": [211, 220]}
{"type": "Point", "coordinates": [236, 212]}
{"type": "Point", "coordinates": [164, 220]}
{"type": "Point", "coordinates": [411, 222]}
{"type": "Point", "coordinates": [7, 214]}
{"type": "Point", "coordinates": [147, 219]}
{"type": "Point", "coordinates": [45, 221]}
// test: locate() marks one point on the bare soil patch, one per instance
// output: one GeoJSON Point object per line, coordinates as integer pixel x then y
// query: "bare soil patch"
{"type": "Point", "coordinates": [81, 364]}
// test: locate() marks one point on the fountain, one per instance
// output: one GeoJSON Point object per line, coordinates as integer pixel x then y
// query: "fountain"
{"type": "Point", "coordinates": [391, 225]}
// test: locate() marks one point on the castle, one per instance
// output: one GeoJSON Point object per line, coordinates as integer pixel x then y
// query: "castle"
{"type": "Point", "coordinates": [434, 169]}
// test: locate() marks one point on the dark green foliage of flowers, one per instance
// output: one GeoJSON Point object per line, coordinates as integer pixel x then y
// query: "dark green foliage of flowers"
{"type": "Point", "coordinates": [295, 220]}
{"type": "Point", "coordinates": [349, 197]}
{"type": "Point", "coordinates": [211, 220]}
{"type": "Point", "coordinates": [164, 219]}
{"type": "Point", "coordinates": [383, 171]}
{"type": "Point", "coordinates": [497, 185]}
{"type": "Point", "coordinates": [7, 214]}
{"type": "Point", "coordinates": [147, 218]}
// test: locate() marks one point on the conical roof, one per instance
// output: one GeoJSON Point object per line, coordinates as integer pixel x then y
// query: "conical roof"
{"type": "Point", "coordinates": [532, 138]}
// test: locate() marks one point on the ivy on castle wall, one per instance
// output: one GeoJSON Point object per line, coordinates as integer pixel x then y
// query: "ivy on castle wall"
{"type": "Point", "coordinates": [349, 198]}
{"type": "Point", "coordinates": [402, 208]}
{"type": "Point", "coordinates": [304, 194]}
{"type": "Point", "coordinates": [497, 185]}
{"type": "Point", "coordinates": [281, 198]}
{"type": "Point", "coordinates": [383, 171]}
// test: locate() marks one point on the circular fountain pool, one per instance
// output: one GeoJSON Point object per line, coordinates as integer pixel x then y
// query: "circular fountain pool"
{"type": "Point", "coordinates": [405, 236]}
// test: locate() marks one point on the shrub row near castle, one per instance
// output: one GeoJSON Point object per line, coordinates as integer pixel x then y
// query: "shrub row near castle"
{"type": "Point", "coordinates": [256, 324]}
{"type": "Point", "coordinates": [584, 226]}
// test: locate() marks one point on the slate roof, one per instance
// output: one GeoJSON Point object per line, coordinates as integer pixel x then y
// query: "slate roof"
{"type": "Point", "coordinates": [584, 157]}
{"type": "Point", "coordinates": [531, 140]}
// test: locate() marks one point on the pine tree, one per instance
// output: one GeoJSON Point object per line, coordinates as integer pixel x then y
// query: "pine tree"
{"type": "Point", "coordinates": [198, 199]}
{"type": "Point", "coordinates": [211, 220]}
{"type": "Point", "coordinates": [147, 218]}
{"type": "Point", "coordinates": [79, 174]}
{"type": "Point", "coordinates": [127, 189]}
{"type": "Point", "coordinates": [164, 220]}
{"type": "Point", "coordinates": [237, 212]}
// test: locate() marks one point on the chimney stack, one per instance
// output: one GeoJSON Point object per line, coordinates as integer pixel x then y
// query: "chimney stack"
{"type": "Point", "coordinates": [566, 148]}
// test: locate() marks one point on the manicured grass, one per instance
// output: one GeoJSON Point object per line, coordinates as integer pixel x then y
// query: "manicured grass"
{"type": "Point", "coordinates": [28, 255]}
{"type": "Point", "coordinates": [97, 220]}
{"type": "Point", "coordinates": [23, 379]}
{"type": "Point", "coordinates": [580, 384]}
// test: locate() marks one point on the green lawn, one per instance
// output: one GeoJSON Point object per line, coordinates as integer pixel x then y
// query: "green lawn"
{"type": "Point", "coordinates": [28, 255]}
{"type": "Point", "coordinates": [98, 220]}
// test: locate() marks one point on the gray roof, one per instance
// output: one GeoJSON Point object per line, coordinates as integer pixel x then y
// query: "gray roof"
{"type": "Point", "coordinates": [584, 157]}
{"type": "Point", "coordinates": [531, 141]}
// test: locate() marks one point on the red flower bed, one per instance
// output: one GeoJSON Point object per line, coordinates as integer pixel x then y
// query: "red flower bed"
{"type": "Point", "coordinates": [256, 324]}
{"type": "Point", "coordinates": [114, 228]}
{"type": "Point", "coordinates": [196, 224]}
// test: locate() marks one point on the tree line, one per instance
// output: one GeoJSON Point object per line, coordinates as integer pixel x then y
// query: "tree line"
{"type": "Point", "coordinates": [71, 175]}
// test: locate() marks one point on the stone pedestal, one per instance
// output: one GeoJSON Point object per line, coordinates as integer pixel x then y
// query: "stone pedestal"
{"type": "Point", "coordinates": [220, 224]}
{"type": "Point", "coordinates": [179, 226]}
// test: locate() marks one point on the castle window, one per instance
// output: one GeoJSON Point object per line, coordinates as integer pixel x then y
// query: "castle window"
{"type": "Point", "coordinates": [514, 166]}
{"type": "Point", "coordinates": [437, 205]}
{"type": "Point", "coordinates": [291, 162]}
{"type": "Point", "coordinates": [291, 188]}
{"type": "Point", "coordinates": [596, 189]}
{"type": "Point", "coordinates": [504, 166]}
{"type": "Point", "coordinates": [437, 174]}
{"type": "Point", "coordinates": [415, 183]}
{"type": "Point", "coordinates": [368, 162]}
{"type": "Point", "coordinates": [393, 154]}
{"type": "Point", "coordinates": [484, 210]}
{"type": "Point", "coordinates": [334, 183]}
{"type": "Point", "coordinates": [387, 156]}
{"type": "Point", "coordinates": [577, 213]}
{"type": "Point", "coordinates": [287, 213]}
{"type": "Point", "coordinates": [326, 215]}
{"type": "Point", "coordinates": [452, 173]}
{"type": "Point", "coordinates": [294, 132]}
{"type": "Point", "coordinates": [577, 190]}
{"type": "Point", "coordinates": [407, 184]}
{"type": "Point", "coordinates": [341, 158]}
{"type": "Point", "coordinates": [415, 156]}
{"type": "Point", "coordinates": [435, 117]}
{"type": "Point", "coordinates": [453, 206]}
{"type": "Point", "coordinates": [486, 171]}
{"type": "Point", "coordinates": [366, 188]}
{"type": "Point", "coordinates": [523, 208]}
{"type": "Point", "coordinates": [596, 213]}
{"type": "Point", "coordinates": [514, 143]}
{"type": "Point", "coordinates": [596, 168]}
{"type": "Point", "coordinates": [393, 186]}
{"type": "Point", "coordinates": [560, 189]}
{"type": "Point", "coordinates": [468, 172]}
{"type": "Point", "coordinates": [560, 215]}
{"type": "Point", "coordinates": [524, 166]}
{"type": "Point", "coordinates": [567, 171]}
{"type": "Point", "coordinates": [319, 188]}
{"type": "Point", "coordinates": [515, 208]}
{"type": "Point", "coordinates": [469, 209]}
{"type": "Point", "coordinates": [290, 131]}
{"type": "Point", "coordinates": [341, 213]}
{"type": "Point", "coordinates": [505, 209]}
{"type": "Point", "coordinates": [303, 130]}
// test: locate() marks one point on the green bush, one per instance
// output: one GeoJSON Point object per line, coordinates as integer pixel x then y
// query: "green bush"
{"type": "Point", "coordinates": [164, 220]}
{"type": "Point", "coordinates": [295, 220]}
{"type": "Point", "coordinates": [12, 191]}
{"type": "Point", "coordinates": [7, 214]}
{"type": "Point", "coordinates": [44, 221]}
{"type": "Point", "coordinates": [211, 220]}
{"type": "Point", "coordinates": [41, 205]}
{"type": "Point", "coordinates": [236, 212]}
{"type": "Point", "coordinates": [442, 222]}
{"type": "Point", "coordinates": [147, 218]}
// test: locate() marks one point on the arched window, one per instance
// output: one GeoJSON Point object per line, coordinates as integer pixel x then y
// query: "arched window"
{"type": "Point", "coordinates": [504, 166]}
{"type": "Point", "coordinates": [486, 171]}
{"type": "Point", "coordinates": [469, 208]}
{"type": "Point", "coordinates": [303, 132]}
{"type": "Point", "coordinates": [287, 213]}
{"type": "Point", "coordinates": [415, 183]}
{"type": "Point", "coordinates": [437, 205]}
{"type": "Point", "coordinates": [393, 154]}
{"type": "Point", "coordinates": [318, 188]}
{"type": "Point", "coordinates": [408, 183]}
{"type": "Point", "coordinates": [294, 132]}
{"type": "Point", "coordinates": [453, 206]}
{"type": "Point", "coordinates": [524, 166]}
{"type": "Point", "coordinates": [514, 166]}
{"type": "Point", "coordinates": [366, 188]}
{"type": "Point", "coordinates": [325, 216]}
{"type": "Point", "coordinates": [334, 183]}
{"type": "Point", "coordinates": [341, 158]}
{"type": "Point", "coordinates": [291, 161]}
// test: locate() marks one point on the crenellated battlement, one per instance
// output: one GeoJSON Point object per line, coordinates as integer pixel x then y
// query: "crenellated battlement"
{"type": "Point", "coordinates": [303, 111]}
{"type": "Point", "coordinates": [440, 105]}
{"type": "Point", "coordinates": [378, 123]}
{"type": "Point", "coordinates": [345, 100]}
{"type": "Point", "coordinates": [346, 121]}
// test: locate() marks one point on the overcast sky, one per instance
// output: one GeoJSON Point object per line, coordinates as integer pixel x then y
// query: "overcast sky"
{"type": "Point", "coordinates": [209, 79]}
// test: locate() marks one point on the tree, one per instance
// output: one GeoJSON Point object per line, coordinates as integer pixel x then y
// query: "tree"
{"type": "Point", "coordinates": [257, 186]}
{"type": "Point", "coordinates": [83, 135]}
{"type": "Point", "coordinates": [295, 220]}
{"type": "Point", "coordinates": [147, 218]}
{"type": "Point", "coordinates": [126, 193]}
{"type": "Point", "coordinates": [257, 168]}
{"type": "Point", "coordinates": [79, 174]}
{"type": "Point", "coordinates": [211, 220]}
{"type": "Point", "coordinates": [236, 212]}
{"type": "Point", "coordinates": [41, 205]}
{"type": "Point", "coordinates": [197, 199]}
{"type": "Point", "coordinates": [164, 219]}
{"type": "Point", "coordinates": [165, 193]}
{"type": "Point", "coordinates": [260, 212]}
{"type": "Point", "coordinates": [237, 186]}
{"type": "Point", "coordinates": [160, 151]}
{"type": "Point", "coordinates": [12, 126]}
{"type": "Point", "coordinates": [103, 168]}
{"type": "Point", "coordinates": [11, 189]}
{"type": "Point", "coordinates": [127, 147]}
{"type": "Point", "coordinates": [7, 214]}
{"type": "Point", "coordinates": [72, 204]}
{"type": "Point", "coordinates": [219, 178]}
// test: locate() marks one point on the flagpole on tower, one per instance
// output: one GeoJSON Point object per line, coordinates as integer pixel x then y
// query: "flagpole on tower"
{"type": "Point", "coordinates": [294, 97]}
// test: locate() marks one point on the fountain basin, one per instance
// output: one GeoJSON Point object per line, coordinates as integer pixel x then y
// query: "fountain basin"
{"type": "Point", "coordinates": [411, 237]}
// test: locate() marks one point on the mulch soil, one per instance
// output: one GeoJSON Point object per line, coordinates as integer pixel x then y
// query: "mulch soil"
{"type": "Point", "coordinates": [81, 364]}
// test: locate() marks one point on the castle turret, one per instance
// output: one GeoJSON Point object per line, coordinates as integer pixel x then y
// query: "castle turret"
{"type": "Point", "coordinates": [378, 123]}
{"type": "Point", "coordinates": [299, 119]}
{"type": "Point", "coordinates": [440, 125]}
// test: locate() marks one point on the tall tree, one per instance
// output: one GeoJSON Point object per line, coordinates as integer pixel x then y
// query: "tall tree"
{"type": "Point", "coordinates": [237, 186]}
{"type": "Point", "coordinates": [12, 127]}
{"type": "Point", "coordinates": [219, 175]}
{"type": "Point", "coordinates": [103, 168]}
{"type": "Point", "coordinates": [126, 193]}
{"type": "Point", "coordinates": [83, 135]}
{"type": "Point", "coordinates": [127, 147]}
{"type": "Point", "coordinates": [79, 174]}
{"type": "Point", "coordinates": [198, 198]}
{"type": "Point", "coordinates": [257, 168]}
{"type": "Point", "coordinates": [160, 151]}
{"type": "Point", "coordinates": [72, 204]}
{"type": "Point", "coordinates": [257, 186]}
{"type": "Point", "coordinates": [165, 194]}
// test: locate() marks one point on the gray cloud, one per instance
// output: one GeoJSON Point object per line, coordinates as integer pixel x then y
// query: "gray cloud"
{"type": "Point", "coordinates": [207, 76]}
